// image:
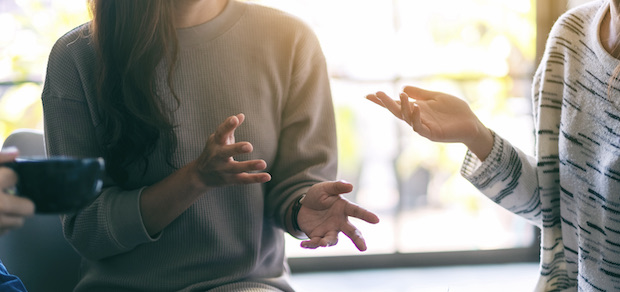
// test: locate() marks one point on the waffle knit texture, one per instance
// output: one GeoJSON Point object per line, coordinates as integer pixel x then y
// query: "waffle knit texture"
{"type": "Point", "coordinates": [250, 59]}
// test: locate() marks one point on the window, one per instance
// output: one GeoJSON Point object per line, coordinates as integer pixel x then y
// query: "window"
{"type": "Point", "coordinates": [29, 29]}
{"type": "Point", "coordinates": [481, 50]}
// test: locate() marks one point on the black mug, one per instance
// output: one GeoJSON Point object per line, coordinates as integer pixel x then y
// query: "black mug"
{"type": "Point", "coordinates": [58, 184]}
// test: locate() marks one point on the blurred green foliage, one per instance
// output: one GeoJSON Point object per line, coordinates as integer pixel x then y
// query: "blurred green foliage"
{"type": "Point", "coordinates": [30, 28]}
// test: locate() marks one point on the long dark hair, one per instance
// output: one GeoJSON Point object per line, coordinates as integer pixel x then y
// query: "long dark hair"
{"type": "Point", "coordinates": [131, 38]}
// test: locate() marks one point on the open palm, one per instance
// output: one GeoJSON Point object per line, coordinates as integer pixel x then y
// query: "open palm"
{"type": "Point", "coordinates": [434, 115]}
{"type": "Point", "coordinates": [325, 213]}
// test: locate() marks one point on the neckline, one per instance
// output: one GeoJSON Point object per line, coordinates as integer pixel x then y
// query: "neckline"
{"type": "Point", "coordinates": [210, 30]}
{"type": "Point", "coordinates": [608, 61]}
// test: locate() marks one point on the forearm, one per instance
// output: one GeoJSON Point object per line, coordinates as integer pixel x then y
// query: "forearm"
{"type": "Point", "coordinates": [163, 202]}
{"type": "Point", "coordinates": [481, 143]}
{"type": "Point", "coordinates": [111, 225]}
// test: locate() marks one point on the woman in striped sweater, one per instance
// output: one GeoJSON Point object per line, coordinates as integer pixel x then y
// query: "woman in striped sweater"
{"type": "Point", "coordinates": [571, 188]}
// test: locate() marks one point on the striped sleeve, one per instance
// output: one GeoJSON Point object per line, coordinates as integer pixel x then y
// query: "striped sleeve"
{"type": "Point", "coordinates": [508, 177]}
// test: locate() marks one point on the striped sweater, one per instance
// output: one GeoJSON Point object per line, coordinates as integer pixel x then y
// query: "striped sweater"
{"type": "Point", "coordinates": [571, 188]}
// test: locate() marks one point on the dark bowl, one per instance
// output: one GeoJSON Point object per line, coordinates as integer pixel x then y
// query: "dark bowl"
{"type": "Point", "coordinates": [59, 184]}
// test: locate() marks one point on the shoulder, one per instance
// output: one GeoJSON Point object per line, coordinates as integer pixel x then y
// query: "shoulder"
{"type": "Point", "coordinates": [275, 20]}
{"type": "Point", "coordinates": [577, 21]}
{"type": "Point", "coordinates": [78, 36]}
{"type": "Point", "coordinates": [75, 44]}
{"type": "Point", "coordinates": [574, 34]}
{"type": "Point", "coordinates": [281, 32]}
{"type": "Point", "coordinates": [70, 63]}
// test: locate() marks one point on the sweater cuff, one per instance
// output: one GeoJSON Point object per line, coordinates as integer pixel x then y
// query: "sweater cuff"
{"type": "Point", "coordinates": [476, 171]}
{"type": "Point", "coordinates": [125, 220]}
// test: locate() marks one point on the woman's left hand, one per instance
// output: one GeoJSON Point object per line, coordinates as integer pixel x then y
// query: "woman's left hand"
{"type": "Point", "coordinates": [325, 213]}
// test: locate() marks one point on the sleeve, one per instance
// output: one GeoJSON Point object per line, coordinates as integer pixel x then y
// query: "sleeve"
{"type": "Point", "coordinates": [508, 176]}
{"type": "Point", "coordinates": [307, 149]}
{"type": "Point", "coordinates": [112, 224]}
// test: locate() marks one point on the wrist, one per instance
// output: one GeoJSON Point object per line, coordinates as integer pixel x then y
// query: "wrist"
{"type": "Point", "coordinates": [295, 213]}
{"type": "Point", "coordinates": [482, 143]}
{"type": "Point", "coordinates": [195, 181]}
{"type": "Point", "coordinates": [292, 214]}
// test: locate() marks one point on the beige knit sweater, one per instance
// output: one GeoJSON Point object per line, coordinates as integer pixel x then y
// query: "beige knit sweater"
{"type": "Point", "coordinates": [250, 59]}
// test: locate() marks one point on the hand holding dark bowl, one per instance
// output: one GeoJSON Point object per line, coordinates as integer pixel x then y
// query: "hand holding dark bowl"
{"type": "Point", "coordinates": [58, 184]}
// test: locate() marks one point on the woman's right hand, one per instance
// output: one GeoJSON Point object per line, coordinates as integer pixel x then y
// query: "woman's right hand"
{"type": "Point", "coordinates": [163, 202]}
{"type": "Point", "coordinates": [439, 117]}
{"type": "Point", "coordinates": [216, 165]}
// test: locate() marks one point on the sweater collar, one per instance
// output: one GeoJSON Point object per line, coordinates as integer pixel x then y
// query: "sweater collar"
{"type": "Point", "coordinates": [212, 29]}
{"type": "Point", "coordinates": [607, 60]}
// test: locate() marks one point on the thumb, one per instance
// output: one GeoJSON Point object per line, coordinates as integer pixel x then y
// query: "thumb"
{"type": "Point", "coordinates": [337, 187]}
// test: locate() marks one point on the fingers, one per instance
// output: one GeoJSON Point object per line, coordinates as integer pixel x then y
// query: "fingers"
{"type": "Point", "coordinates": [240, 117]}
{"type": "Point", "coordinates": [10, 222]}
{"type": "Point", "coordinates": [324, 194]}
{"type": "Point", "coordinates": [405, 108]}
{"type": "Point", "coordinates": [10, 205]}
{"type": "Point", "coordinates": [416, 122]}
{"type": "Point", "coordinates": [216, 165]}
{"type": "Point", "coordinates": [418, 93]}
{"type": "Point", "coordinates": [8, 178]}
{"type": "Point", "coordinates": [242, 168]}
{"type": "Point", "coordinates": [13, 211]}
{"type": "Point", "coordinates": [360, 213]}
{"type": "Point", "coordinates": [390, 104]}
{"type": "Point", "coordinates": [245, 166]}
{"type": "Point", "coordinates": [374, 99]}
{"type": "Point", "coordinates": [12, 208]}
{"type": "Point", "coordinates": [8, 154]}
{"type": "Point", "coordinates": [337, 187]}
{"type": "Point", "coordinates": [355, 235]}
{"type": "Point", "coordinates": [252, 178]}
{"type": "Point", "coordinates": [243, 172]}
{"type": "Point", "coordinates": [330, 239]}
{"type": "Point", "coordinates": [225, 132]}
{"type": "Point", "coordinates": [231, 150]}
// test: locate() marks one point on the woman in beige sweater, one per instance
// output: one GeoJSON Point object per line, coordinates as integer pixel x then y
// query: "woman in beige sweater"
{"type": "Point", "coordinates": [216, 123]}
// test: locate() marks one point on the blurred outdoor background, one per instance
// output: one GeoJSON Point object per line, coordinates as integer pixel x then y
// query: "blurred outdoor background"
{"type": "Point", "coordinates": [480, 50]}
{"type": "Point", "coordinates": [483, 51]}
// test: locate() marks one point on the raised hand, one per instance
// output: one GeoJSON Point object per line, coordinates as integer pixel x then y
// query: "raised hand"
{"type": "Point", "coordinates": [325, 213]}
{"type": "Point", "coordinates": [216, 165]}
{"type": "Point", "coordinates": [439, 117]}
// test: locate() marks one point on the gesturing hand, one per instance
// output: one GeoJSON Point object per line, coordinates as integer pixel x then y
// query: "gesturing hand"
{"type": "Point", "coordinates": [434, 115]}
{"type": "Point", "coordinates": [325, 213]}
{"type": "Point", "coordinates": [216, 165]}
{"type": "Point", "coordinates": [439, 117]}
